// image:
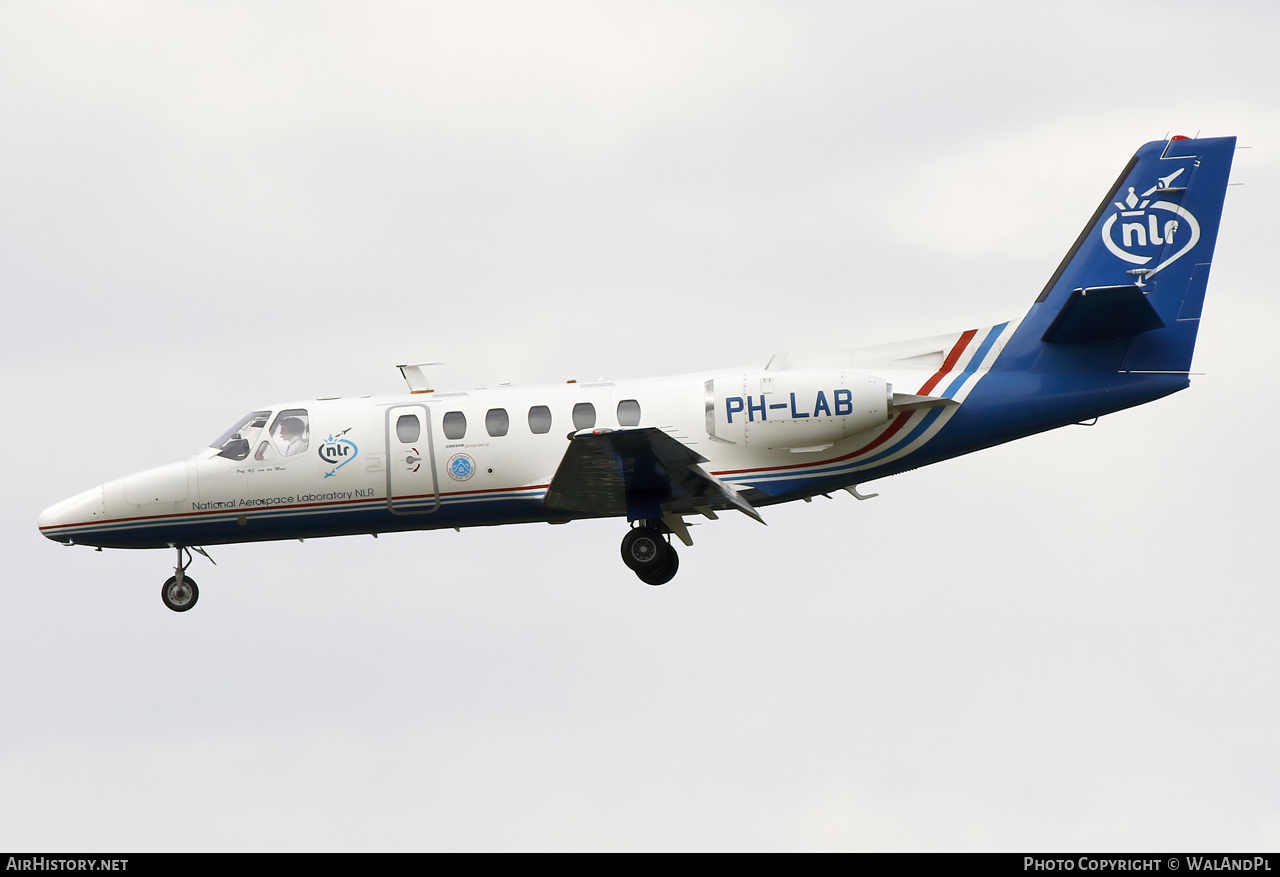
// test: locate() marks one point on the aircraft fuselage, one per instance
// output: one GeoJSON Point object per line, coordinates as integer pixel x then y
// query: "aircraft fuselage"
{"type": "Point", "coordinates": [487, 457]}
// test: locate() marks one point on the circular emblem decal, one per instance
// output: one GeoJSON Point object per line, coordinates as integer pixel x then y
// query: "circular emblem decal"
{"type": "Point", "coordinates": [461, 467]}
{"type": "Point", "coordinates": [1138, 234]}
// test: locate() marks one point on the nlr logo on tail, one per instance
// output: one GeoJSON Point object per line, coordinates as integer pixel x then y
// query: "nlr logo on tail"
{"type": "Point", "coordinates": [1114, 327]}
{"type": "Point", "coordinates": [1140, 229]}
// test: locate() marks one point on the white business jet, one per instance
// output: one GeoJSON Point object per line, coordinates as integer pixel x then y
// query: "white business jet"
{"type": "Point", "coordinates": [1114, 327]}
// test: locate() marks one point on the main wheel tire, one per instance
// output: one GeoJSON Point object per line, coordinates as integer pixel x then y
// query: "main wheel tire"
{"type": "Point", "coordinates": [643, 548]}
{"type": "Point", "coordinates": [180, 599]}
{"type": "Point", "coordinates": [663, 575]}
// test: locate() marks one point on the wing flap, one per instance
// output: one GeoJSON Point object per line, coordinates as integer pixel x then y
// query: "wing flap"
{"type": "Point", "coordinates": [642, 473]}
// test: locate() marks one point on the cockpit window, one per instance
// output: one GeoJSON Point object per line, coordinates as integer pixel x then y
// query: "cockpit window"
{"type": "Point", "coordinates": [291, 431]}
{"type": "Point", "coordinates": [234, 444]}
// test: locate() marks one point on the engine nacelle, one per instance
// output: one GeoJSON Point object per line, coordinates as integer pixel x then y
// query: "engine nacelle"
{"type": "Point", "coordinates": [797, 409]}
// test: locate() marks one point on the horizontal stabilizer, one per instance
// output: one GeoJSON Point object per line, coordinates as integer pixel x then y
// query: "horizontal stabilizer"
{"type": "Point", "coordinates": [642, 473]}
{"type": "Point", "coordinates": [1103, 313]}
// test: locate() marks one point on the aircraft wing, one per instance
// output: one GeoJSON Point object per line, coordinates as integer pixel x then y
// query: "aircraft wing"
{"type": "Point", "coordinates": [642, 473]}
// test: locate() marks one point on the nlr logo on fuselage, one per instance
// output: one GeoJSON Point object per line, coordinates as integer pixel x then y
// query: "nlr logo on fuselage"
{"type": "Point", "coordinates": [337, 452]}
{"type": "Point", "coordinates": [1140, 230]}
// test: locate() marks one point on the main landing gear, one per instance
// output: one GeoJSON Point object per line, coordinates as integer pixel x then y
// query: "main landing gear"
{"type": "Point", "coordinates": [648, 552]}
{"type": "Point", "coordinates": [180, 593]}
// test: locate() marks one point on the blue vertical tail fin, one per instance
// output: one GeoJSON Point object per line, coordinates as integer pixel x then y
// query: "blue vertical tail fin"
{"type": "Point", "coordinates": [1128, 294]}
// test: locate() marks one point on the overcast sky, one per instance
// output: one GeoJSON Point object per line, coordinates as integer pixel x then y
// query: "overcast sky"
{"type": "Point", "coordinates": [1064, 643]}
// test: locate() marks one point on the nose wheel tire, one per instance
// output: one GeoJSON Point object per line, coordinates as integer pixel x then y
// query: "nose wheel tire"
{"type": "Point", "coordinates": [180, 597]}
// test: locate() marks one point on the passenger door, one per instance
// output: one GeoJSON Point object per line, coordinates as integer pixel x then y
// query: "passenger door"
{"type": "Point", "coordinates": [411, 468]}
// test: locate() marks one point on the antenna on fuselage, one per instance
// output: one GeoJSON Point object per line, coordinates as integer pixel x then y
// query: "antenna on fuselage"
{"type": "Point", "coordinates": [413, 376]}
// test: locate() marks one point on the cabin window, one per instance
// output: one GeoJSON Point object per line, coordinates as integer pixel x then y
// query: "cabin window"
{"type": "Point", "coordinates": [584, 415]}
{"type": "Point", "coordinates": [628, 413]}
{"type": "Point", "coordinates": [496, 421]}
{"type": "Point", "coordinates": [454, 425]}
{"type": "Point", "coordinates": [408, 428]}
{"type": "Point", "coordinates": [539, 419]}
{"type": "Point", "coordinates": [291, 431]}
{"type": "Point", "coordinates": [234, 444]}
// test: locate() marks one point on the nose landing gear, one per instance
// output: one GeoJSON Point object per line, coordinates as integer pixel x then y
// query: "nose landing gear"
{"type": "Point", "coordinates": [648, 552]}
{"type": "Point", "coordinates": [180, 593]}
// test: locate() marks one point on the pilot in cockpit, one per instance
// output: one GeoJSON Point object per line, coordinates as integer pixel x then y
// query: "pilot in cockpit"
{"type": "Point", "coordinates": [293, 433]}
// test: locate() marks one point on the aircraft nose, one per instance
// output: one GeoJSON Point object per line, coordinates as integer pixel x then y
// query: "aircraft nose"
{"type": "Point", "coordinates": [62, 521]}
